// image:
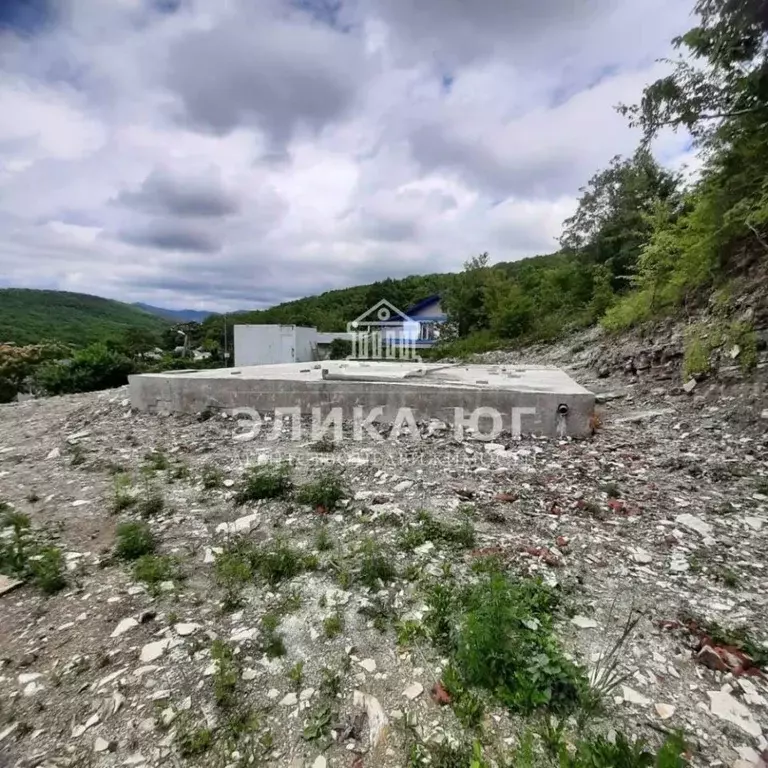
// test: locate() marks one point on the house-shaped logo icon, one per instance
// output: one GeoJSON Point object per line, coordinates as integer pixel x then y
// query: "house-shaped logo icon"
{"type": "Point", "coordinates": [383, 332]}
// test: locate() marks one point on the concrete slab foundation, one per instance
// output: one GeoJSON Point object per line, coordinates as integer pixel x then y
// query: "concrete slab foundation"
{"type": "Point", "coordinates": [526, 400]}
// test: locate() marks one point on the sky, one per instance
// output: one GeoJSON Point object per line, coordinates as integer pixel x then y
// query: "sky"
{"type": "Point", "coordinates": [233, 154]}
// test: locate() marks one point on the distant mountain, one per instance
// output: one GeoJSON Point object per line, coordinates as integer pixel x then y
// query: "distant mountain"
{"type": "Point", "coordinates": [179, 315]}
{"type": "Point", "coordinates": [28, 316]}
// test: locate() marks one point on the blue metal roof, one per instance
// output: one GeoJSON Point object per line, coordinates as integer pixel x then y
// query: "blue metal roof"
{"type": "Point", "coordinates": [423, 303]}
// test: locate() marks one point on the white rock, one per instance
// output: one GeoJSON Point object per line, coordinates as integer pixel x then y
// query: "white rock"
{"type": "Point", "coordinates": [29, 677]}
{"type": "Point", "coordinates": [689, 385]}
{"type": "Point", "coordinates": [632, 696]}
{"type": "Point", "coordinates": [320, 762]}
{"type": "Point", "coordinates": [664, 711]}
{"type": "Point", "coordinates": [273, 693]}
{"type": "Point", "coordinates": [582, 622]}
{"type": "Point", "coordinates": [6, 732]}
{"type": "Point", "coordinates": [33, 688]}
{"type": "Point", "coordinates": [494, 447]}
{"type": "Point", "coordinates": [123, 626]}
{"type": "Point", "coordinates": [748, 754]}
{"type": "Point", "coordinates": [642, 557]}
{"type": "Point", "coordinates": [403, 486]}
{"type": "Point", "coordinates": [80, 502]}
{"type": "Point", "coordinates": [167, 716]}
{"type": "Point", "coordinates": [369, 665]}
{"type": "Point", "coordinates": [755, 523]}
{"type": "Point", "coordinates": [694, 523]}
{"type": "Point", "coordinates": [152, 651]}
{"type": "Point", "coordinates": [425, 548]}
{"type": "Point", "coordinates": [764, 414]}
{"type": "Point", "coordinates": [306, 694]}
{"type": "Point", "coordinates": [249, 674]}
{"type": "Point", "coordinates": [242, 634]}
{"type": "Point", "coordinates": [413, 691]}
{"type": "Point", "coordinates": [678, 563]}
{"type": "Point", "coordinates": [54, 454]}
{"type": "Point", "coordinates": [377, 719]}
{"type": "Point", "coordinates": [334, 597]}
{"type": "Point", "coordinates": [100, 745]}
{"type": "Point", "coordinates": [186, 629]}
{"type": "Point", "coordinates": [241, 525]}
{"type": "Point", "coordinates": [289, 700]}
{"type": "Point", "coordinates": [92, 720]}
{"type": "Point", "coordinates": [724, 706]}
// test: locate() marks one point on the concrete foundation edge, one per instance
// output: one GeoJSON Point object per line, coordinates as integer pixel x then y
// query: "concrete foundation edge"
{"type": "Point", "coordinates": [169, 394]}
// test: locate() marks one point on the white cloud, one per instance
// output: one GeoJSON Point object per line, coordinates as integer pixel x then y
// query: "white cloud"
{"type": "Point", "coordinates": [235, 154]}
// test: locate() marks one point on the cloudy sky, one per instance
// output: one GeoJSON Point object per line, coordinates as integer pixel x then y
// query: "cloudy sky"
{"type": "Point", "coordinates": [226, 154]}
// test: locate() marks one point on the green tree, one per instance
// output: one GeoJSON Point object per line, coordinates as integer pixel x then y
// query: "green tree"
{"type": "Point", "coordinates": [610, 225]}
{"type": "Point", "coordinates": [464, 301]}
{"type": "Point", "coordinates": [720, 74]}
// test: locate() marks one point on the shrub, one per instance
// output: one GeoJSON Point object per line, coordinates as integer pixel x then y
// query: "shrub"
{"type": "Point", "coordinates": [15, 549]}
{"type": "Point", "coordinates": [47, 569]}
{"type": "Point", "coordinates": [431, 529]}
{"type": "Point", "coordinates": [498, 635]}
{"type": "Point", "coordinates": [192, 743]}
{"type": "Point", "coordinates": [18, 366]}
{"type": "Point", "coordinates": [265, 481]}
{"type": "Point", "coordinates": [232, 570]}
{"type": "Point", "coordinates": [225, 675]}
{"type": "Point", "coordinates": [375, 567]}
{"type": "Point", "coordinates": [696, 354]}
{"type": "Point", "coordinates": [89, 369]}
{"type": "Point", "coordinates": [339, 349]}
{"type": "Point", "coordinates": [631, 310]}
{"type": "Point", "coordinates": [333, 626]}
{"type": "Point", "coordinates": [134, 539]}
{"type": "Point", "coordinates": [743, 335]}
{"type": "Point", "coordinates": [211, 477]}
{"type": "Point", "coordinates": [325, 491]}
{"type": "Point", "coordinates": [122, 498]}
{"type": "Point", "coordinates": [155, 569]}
{"type": "Point", "coordinates": [152, 503]}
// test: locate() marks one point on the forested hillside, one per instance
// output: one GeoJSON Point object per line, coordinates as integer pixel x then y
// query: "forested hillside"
{"type": "Point", "coordinates": [645, 242]}
{"type": "Point", "coordinates": [31, 316]}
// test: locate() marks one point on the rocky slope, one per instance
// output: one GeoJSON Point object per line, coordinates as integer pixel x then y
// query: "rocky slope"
{"type": "Point", "coordinates": [661, 516]}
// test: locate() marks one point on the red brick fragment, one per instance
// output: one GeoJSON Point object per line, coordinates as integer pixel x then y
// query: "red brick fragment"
{"type": "Point", "coordinates": [440, 695]}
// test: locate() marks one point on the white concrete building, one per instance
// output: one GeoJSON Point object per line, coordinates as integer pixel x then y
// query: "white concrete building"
{"type": "Point", "coordinates": [274, 344]}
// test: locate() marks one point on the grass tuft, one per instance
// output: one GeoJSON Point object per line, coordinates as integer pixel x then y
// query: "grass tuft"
{"type": "Point", "coordinates": [461, 536]}
{"type": "Point", "coordinates": [134, 539]}
{"type": "Point", "coordinates": [325, 491]}
{"type": "Point", "coordinates": [265, 481]}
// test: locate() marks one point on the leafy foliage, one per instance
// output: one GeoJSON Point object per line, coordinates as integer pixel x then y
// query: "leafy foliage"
{"type": "Point", "coordinates": [499, 636]}
{"type": "Point", "coordinates": [92, 368]}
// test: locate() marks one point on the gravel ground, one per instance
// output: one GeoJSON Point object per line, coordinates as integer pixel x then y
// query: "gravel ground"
{"type": "Point", "coordinates": [663, 514]}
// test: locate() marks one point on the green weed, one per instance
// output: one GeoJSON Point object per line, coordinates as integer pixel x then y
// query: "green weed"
{"type": "Point", "coordinates": [134, 539]}
{"type": "Point", "coordinates": [325, 491]}
{"type": "Point", "coordinates": [461, 536]}
{"type": "Point", "coordinates": [211, 477]}
{"type": "Point", "coordinates": [153, 570]}
{"type": "Point", "coordinates": [265, 481]}
{"type": "Point", "coordinates": [333, 626]}
{"type": "Point", "coordinates": [375, 567]}
{"type": "Point", "coordinates": [47, 568]}
{"type": "Point", "coordinates": [226, 674]}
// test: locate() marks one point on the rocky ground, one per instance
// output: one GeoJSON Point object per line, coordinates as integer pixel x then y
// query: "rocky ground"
{"type": "Point", "coordinates": [317, 655]}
